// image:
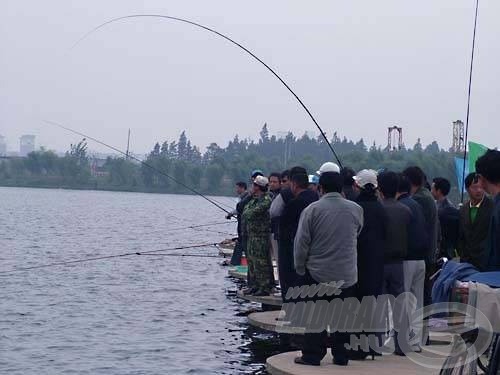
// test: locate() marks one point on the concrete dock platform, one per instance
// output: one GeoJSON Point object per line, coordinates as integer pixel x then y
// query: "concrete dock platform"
{"type": "Point", "coordinates": [272, 300]}
{"type": "Point", "coordinates": [238, 272]}
{"type": "Point", "coordinates": [282, 364]}
{"type": "Point", "coordinates": [274, 321]}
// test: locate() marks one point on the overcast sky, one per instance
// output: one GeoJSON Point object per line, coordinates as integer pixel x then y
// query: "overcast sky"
{"type": "Point", "coordinates": [360, 66]}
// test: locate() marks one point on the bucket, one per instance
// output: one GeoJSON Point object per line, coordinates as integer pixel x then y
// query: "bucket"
{"type": "Point", "coordinates": [244, 261]}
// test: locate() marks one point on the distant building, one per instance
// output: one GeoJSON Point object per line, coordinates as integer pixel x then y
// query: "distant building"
{"type": "Point", "coordinates": [27, 144]}
{"type": "Point", "coordinates": [97, 167]}
{"type": "Point", "coordinates": [3, 146]}
{"type": "Point", "coordinates": [458, 140]}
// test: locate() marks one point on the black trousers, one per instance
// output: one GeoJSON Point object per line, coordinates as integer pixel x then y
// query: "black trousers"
{"type": "Point", "coordinates": [237, 252]}
{"type": "Point", "coordinates": [315, 344]}
{"type": "Point", "coordinates": [286, 267]}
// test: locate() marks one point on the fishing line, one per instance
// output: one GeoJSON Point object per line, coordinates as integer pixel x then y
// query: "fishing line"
{"type": "Point", "coordinates": [468, 99]}
{"type": "Point", "coordinates": [216, 204]}
{"type": "Point", "coordinates": [65, 263]}
{"type": "Point", "coordinates": [202, 225]}
{"type": "Point", "coordinates": [161, 16]}
{"type": "Point", "coordinates": [184, 255]}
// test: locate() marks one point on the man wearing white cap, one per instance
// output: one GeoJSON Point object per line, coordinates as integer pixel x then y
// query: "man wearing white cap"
{"type": "Point", "coordinates": [258, 226]}
{"type": "Point", "coordinates": [325, 251]}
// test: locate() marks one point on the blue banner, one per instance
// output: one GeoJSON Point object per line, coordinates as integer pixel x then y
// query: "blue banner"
{"type": "Point", "coordinates": [459, 166]}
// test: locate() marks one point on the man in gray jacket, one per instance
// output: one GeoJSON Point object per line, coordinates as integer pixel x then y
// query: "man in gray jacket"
{"type": "Point", "coordinates": [325, 250]}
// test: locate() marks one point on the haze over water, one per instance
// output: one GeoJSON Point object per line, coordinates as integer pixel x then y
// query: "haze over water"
{"type": "Point", "coordinates": [131, 315]}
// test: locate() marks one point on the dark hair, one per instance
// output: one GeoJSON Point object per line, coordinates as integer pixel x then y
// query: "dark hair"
{"type": "Point", "coordinates": [368, 189]}
{"type": "Point", "coordinates": [296, 170]}
{"type": "Point", "coordinates": [388, 183]}
{"type": "Point", "coordinates": [415, 175]}
{"type": "Point", "coordinates": [301, 179]}
{"type": "Point", "coordinates": [241, 184]}
{"type": "Point", "coordinates": [442, 184]}
{"type": "Point", "coordinates": [285, 173]}
{"type": "Point", "coordinates": [262, 188]}
{"type": "Point", "coordinates": [347, 174]}
{"type": "Point", "coordinates": [257, 173]}
{"type": "Point", "coordinates": [471, 178]}
{"type": "Point", "coordinates": [488, 166]}
{"type": "Point", "coordinates": [404, 185]}
{"type": "Point", "coordinates": [331, 182]}
{"type": "Point", "coordinates": [275, 174]}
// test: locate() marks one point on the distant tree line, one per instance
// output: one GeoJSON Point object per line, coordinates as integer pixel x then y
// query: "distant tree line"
{"type": "Point", "coordinates": [215, 170]}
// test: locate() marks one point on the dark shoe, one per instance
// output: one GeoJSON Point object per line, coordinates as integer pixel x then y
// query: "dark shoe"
{"type": "Point", "coordinates": [302, 361]}
{"type": "Point", "coordinates": [400, 353]}
{"type": "Point", "coordinates": [248, 291]}
{"type": "Point", "coordinates": [261, 293]}
{"type": "Point", "coordinates": [356, 355]}
{"type": "Point", "coordinates": [340, 362]}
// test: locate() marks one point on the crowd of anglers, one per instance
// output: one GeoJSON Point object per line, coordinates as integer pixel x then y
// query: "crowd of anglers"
{"type": "Point", "coordinates": [375, 232]}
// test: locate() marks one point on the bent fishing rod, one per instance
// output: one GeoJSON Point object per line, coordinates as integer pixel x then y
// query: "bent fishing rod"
{"type": "Point", "coordinates": [216, 204]}
{"type": "Point", "coordinates": [213, 31]}
{"type": "Point", "coordinates": [468, 101]}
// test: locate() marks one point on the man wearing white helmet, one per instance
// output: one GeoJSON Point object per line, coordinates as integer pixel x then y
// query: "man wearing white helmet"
{"type": "Point", "coordinates": [328, 167]}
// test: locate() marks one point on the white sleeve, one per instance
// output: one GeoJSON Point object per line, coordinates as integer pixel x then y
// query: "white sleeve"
{"type": "Point", "coordinates": [277, 207]}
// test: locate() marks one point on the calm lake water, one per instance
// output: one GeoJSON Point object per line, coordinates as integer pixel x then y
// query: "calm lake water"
{"type": "Point", "coordinates": [129, 315]}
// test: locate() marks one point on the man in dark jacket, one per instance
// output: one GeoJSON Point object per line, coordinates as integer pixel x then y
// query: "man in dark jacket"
{"type": "Point", "coordinates": [488, 167]}
{"type": "Point", "coordinates": [274, 191]}
{"type": "Point", "coordinates": [371, 245]}
{"type": "Point", "coordinates": [448, 218]}
{"type": "Point", "coordinates": [288, 223]}
{"type": "Point", "coordinates": [475, 217]}
{"type": "Point", "coordinates": [414, 264]}
{"type": "Point", "coordinates": [396, 246]}
{"type": "Point", "coordinates": [348, 189]}
{"type": "Point", "coordinates": [423, 197]}
{"type": "Point", "coordinates": [243, 198]}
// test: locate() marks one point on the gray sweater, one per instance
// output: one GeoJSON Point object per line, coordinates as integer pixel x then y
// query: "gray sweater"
{"type": "Point", "coordinates": [326, 240]}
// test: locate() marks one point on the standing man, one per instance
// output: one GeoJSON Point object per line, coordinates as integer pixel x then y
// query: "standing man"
{"type": "Point", "coordinates": [423, 197]}
{"type": "Point", "coordinates": [475, 217]}
{"type": "Point", "coordinates": [371, 246]}
{"type": "Point", "coordinates": [414, 263]}
{"type": "Point", "coordinates": [313, 183]}
{"type": "Point", "coordinates": [488, 167]}
{"type": "Point", "coordinates": [274, 184]}
{"type": "Point", "coordinates": [448, 217]}
{"type": "Point", "coordinates": [348, 189]}
{"type": "Point", "coordinates": [396, 244]}
{"type": "Point", "coordinates": [325, 250]}
{"type": "Point", "coordinates": [289, 221]}
{"type": "Point", "coordinates": [258, 224]}
{"type": "Point", "coordinates": [241, 192]}
{"type": "Point", "coordinates": [274, 191]}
